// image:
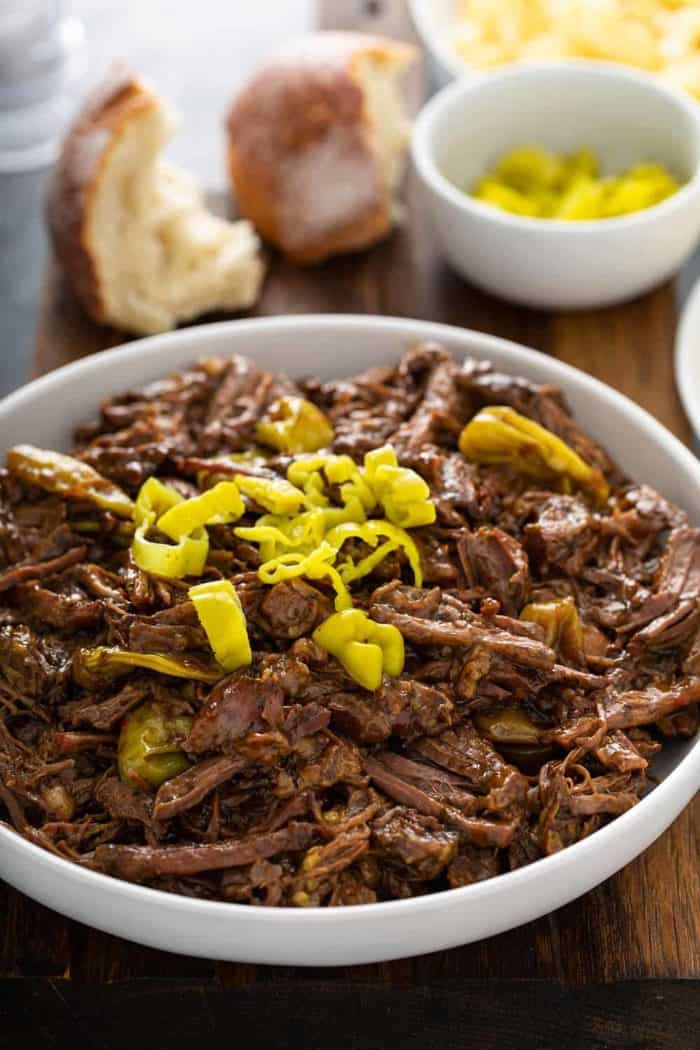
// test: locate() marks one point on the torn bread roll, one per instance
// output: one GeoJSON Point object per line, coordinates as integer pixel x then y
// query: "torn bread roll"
{"type": "Point", "coordinates": [131, 231]}
{"type": "Point", "coordinates": [316, 144]}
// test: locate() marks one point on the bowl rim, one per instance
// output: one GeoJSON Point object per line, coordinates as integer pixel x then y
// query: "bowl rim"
{"type": "Point", "coordinates": [459, 91]}
{"type": "Point", "coordinates": [424, 20]}
{"type": "Point", "coordinates": [684, 353]}
{"type": "Point", "coordinates": [683, 779]}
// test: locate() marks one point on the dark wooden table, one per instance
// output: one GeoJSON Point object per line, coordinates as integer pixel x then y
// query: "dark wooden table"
{"type": "Point", "coordinates": [618, 968]}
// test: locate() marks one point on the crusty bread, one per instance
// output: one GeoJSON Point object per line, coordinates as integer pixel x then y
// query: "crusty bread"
{"type": "Point", "coordinates": [316, 143]}
{"type": "Point", "coordinates": [131, 231]}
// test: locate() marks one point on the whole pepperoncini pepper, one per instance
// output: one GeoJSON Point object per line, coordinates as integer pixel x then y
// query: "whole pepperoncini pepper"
{"type": "Point", "coordinates": [91, 668]}
{"type": "Point", "coordinates": [499, 435]}
{"type": "Point", "coordinates": [562, 626]}
{"type": "Point", "coordinates": [149, 750]}
{"type": "Point", "coordinates": [68, 477]}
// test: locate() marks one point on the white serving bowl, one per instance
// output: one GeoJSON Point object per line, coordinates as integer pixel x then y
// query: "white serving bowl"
{"type": "Point", "coordinates": [45, 413]}
{"type": "Point", "coordinates": [687, 359]}
{"type": "Point", "coordinates": [434, 22]}
{"type": "Point", "coordinates": [624, 116]}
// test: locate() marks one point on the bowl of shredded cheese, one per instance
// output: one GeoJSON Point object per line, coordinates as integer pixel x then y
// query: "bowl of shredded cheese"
{"type": "Point", "coordinates": [561, 185]}
{"type": "Point", "coordinates": [661, 37]}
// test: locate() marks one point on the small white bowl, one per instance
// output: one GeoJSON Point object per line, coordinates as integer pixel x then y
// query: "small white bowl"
{"type": "Point", "coordinates": [624, 116]}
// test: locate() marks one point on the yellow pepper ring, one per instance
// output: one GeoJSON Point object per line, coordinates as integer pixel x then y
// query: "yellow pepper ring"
{"type": "Point", "coordinates": [313, 473]}
{"type": "Point", "coordinates": [315, 565]}
{"type": "Point", "coordinates": [278, 534]}
{"type": "Point", "coordinates": [218, 505]}
{"type": "Point", "coordinates": [307, 543]}
{"type": "Point", "coordinates": [221, 615]}
{"type": "Point", "coordinates": [403, 493]}
{"type": "Point", "coordinates": [364, 648]}
{"type": "Point", "coordinates": [350, 571]}
{"type": "Point", "coordinates": [154, 499]}
{"type": "Point", "coordinates": [276, 495]}
{"type": "Point", "coordinates": [185, 558]}
{"type": "Point", "coordinates": [370, 532]}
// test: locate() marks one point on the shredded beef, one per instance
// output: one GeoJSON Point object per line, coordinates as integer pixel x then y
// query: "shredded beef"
{"type": "Point", "coordinates": [138, 863]}
{"type": "Point", "coordinates": [503, 739]}
{"type": "Point", "coordinates": [292, 609]}
{"type": "Point", "coordinates": [495, 561]}
{"type": "Point", "coordinates": [418, 845]}
{"type": "Point", "coordinates": [190, 787]}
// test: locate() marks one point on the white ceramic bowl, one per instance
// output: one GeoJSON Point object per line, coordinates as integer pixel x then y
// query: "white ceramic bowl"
{"type": "Point", "coordinates": [46, 411]}
{"type": "Point", "coordinates": [623, 115]}
{"type": "Point", "coordinates": [434, 22]}
{"type": "Point", "coordinates": [687, 357]}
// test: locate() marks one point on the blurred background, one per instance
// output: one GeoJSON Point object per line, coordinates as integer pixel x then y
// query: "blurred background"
{"type": "Point", "coordinates": [197, 53]}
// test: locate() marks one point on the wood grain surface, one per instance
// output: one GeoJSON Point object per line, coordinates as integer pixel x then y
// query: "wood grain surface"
{"type": "Point", "coordinates": [449, 1015]}
{"type": "Point", "coordinates": [642, 923]}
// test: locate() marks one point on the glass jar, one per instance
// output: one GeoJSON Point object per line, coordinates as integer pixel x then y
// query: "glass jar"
{"type": "Point", "coordinates": [41, 56]}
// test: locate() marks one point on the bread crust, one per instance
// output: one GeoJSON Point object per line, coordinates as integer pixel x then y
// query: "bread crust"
{"type": "Point", "coordinates": [85, 153]}
{"type": "Point", "coordinates": [299, 147]}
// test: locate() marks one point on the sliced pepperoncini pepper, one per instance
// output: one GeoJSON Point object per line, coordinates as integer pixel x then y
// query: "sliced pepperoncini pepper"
{"type": "Point", "coordinates": [149, 751]}
{"type": "Point", "coordinates": [174, 561]}
{"type": "Point", "coordinates": [278, 534]}
{"type": "Point", "coordinates": [403, 493]}
{"type": "Point", "coordinates": [315, 565]}
{"type": "Point", "coordinates": [217, 506]}
{"type": "Point", "coordinates": [68, 477]}
{"type": "Point", "coordinates": [365, 649]}
{"type": "Point", "coordinates": [185, 558]}
{"type": "Point", "coordinates": [307, 543]}
{"type": "Point", "coordinates": [369, 532]}
{"type": "Point", "coordinates": [314, 474]}
{"type": "Point", "coordinates": [154, 499]}
{"type": "Point", "coordinates": [294, 424]}
{"type": "Point", "coordinates": [276, 495]}
{"type": "Point", "coordinates": [305, 473]}
{"type": "Point", "coordinates": [499, 435]}
{"type": "Point", "coordinates": [562, 626]}
{"type": "Point", "coordinates": [221, 615]}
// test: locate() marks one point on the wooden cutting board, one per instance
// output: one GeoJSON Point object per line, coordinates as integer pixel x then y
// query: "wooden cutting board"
{"type": "Point", "coordinates": [642, 923]}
